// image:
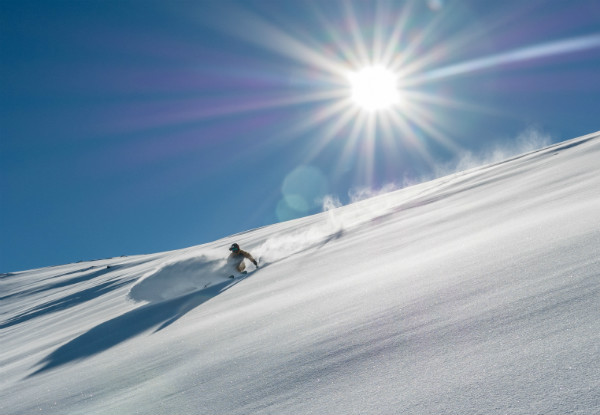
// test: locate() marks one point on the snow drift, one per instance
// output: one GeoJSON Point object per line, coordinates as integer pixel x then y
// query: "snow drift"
{"type": "Point", "coordinates": [478, 292]}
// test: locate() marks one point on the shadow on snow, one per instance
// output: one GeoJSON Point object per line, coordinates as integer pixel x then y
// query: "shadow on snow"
{"type": "Point", "coordinates": [119, 329]}
{"type": "Point", "coordinates": [64, 303]}
{"type": "Point", "coordinates": [159, 313]}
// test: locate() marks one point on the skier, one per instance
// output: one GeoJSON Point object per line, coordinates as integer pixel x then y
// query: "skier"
{"type": "Point", "coordinates": [236, 259]}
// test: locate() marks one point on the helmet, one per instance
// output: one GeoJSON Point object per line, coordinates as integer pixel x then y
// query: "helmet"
{"type": "Point", "coordinates": [234, 248]}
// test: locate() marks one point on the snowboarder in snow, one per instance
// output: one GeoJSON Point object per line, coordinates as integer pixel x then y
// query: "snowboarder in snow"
{"type": "Point", "coordinates": [236, 259]}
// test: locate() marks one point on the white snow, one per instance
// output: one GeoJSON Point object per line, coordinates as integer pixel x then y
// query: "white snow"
{"type": "Point", "coordinates": [477, 292]}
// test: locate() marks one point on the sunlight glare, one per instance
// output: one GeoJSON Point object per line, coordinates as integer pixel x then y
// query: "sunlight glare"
{"type": "Point", "coordinates": [374, 88]}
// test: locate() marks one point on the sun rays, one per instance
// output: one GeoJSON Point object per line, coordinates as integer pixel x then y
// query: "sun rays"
{"type": "Point", "coordinates": [526, 53]}
{"type": "Point", "coordinates": [367, 76]}
{"type": "Point", "coordinates": [364, 75]}
{"type": "Point", "coordinates": [374, 61]}
{"type": "Point", "coordinates": [354, 65]}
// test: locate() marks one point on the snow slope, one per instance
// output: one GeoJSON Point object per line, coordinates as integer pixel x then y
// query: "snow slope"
{"type": "Point", "coordinates": [475, 293]}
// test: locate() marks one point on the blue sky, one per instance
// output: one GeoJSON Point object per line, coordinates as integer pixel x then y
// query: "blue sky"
{"type": "Point", "coordinates": [131, 127]}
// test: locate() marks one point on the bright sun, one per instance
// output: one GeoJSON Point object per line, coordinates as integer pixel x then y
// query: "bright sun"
{"type": "Point", "coordinates": [374, 88]}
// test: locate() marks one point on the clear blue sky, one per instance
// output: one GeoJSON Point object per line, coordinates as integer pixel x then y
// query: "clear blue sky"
{"type": "Point", "coordinates": [132, 127]}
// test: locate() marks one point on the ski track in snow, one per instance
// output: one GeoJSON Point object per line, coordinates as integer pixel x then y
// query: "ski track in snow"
{"type": "Point", "coordinates": [477, 292]}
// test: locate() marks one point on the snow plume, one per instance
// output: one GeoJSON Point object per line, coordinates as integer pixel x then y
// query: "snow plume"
{"type": "Point", "coordinates": [529, 140]}
{"type": "Point", "coordinates": [330, 225]}
{"type": "Point", "coordinates": [330, 204]}
{"type": "Point", "coordinates": [182, 275]}
{"type": "Point", "coordinates": [363, 193]}
{"type": "Point", "coordinates": [337, 219]}
{"type": "Point", "coordinates": [284, 245]}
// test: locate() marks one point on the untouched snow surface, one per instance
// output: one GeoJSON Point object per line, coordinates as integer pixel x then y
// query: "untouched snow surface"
{"type": "Point", "coordinates": [478, 292]}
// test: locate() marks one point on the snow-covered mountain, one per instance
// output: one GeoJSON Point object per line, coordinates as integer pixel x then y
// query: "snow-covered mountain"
{"type": "Point", "coordinates": [477, 292]}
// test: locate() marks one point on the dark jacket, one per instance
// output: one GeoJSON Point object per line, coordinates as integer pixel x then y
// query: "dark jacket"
{"type": "Point", "coordinates": [237, 258]}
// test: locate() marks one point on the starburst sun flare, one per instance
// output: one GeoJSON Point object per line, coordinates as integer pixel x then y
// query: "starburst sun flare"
{"type": "Point", "coordinates": [372, 82]}
{"type": "Point", "coordinates": [374, 88]}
